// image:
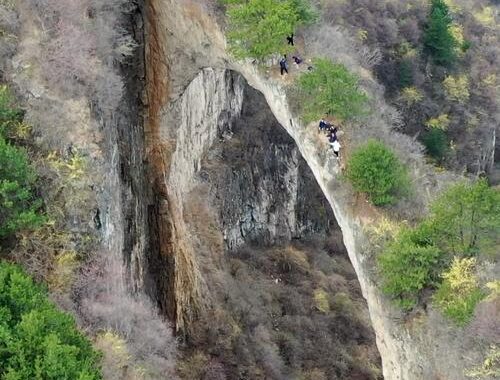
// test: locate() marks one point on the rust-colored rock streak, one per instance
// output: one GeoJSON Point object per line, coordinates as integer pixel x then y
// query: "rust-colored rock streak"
{"type": "Point", "coordinates": [171, 261]}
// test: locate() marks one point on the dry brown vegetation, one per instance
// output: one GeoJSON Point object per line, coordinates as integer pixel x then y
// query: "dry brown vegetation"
{"type": "Point", "coordinates": [105, 305]}
{"type": "Point", "coordinates": [282, 313]}
{"type": "Point", "coordinates": [292, 311]}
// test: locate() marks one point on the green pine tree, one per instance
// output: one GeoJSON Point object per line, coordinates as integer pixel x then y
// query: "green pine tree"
{"type": "Point", "coordinates": [438, 39]}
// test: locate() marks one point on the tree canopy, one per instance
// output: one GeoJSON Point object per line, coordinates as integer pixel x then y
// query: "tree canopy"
{"type": "Point", "coordinates": [330, 88]}
{"type": "Point", "coordinates": [463, 223]}
{"type": "Point", "coordinates": [438, 37]}
{"type": "Point", "coordinates": [18, 203]}
{"type": "Point", "coordinates": [36, 340]}
{"type": "Point", "coordinates": [258, 28]}
{"type": "Point", "coordinates": [375, 170]}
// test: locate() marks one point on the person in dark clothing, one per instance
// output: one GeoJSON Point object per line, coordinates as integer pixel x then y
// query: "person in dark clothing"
{"type": "Point", "coordinates": [332, 137]}
{"type": "Point", "coordinates": [283, 65]}
{"type": "Point", "coordinates": [297, 60]}
{"type": "Point", "coordinates": [323, 125]}
{"type": "Point", "coordinates": [290, 39]}
{"type": "Point", "coordinates": [332, 133]}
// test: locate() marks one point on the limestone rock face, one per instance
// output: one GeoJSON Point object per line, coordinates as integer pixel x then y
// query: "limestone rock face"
{"type": "Point", "coordinates": [196, 120]}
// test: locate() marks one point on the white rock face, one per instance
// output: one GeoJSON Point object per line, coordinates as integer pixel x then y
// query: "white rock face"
{"type": "Point", "coordinates": [424, 348]}
{"type": "Point", "coordinates": [209, 101]}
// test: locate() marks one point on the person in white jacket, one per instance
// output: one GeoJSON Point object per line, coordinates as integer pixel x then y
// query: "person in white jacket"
{"type": "Point", "coordinates": [336, 148]}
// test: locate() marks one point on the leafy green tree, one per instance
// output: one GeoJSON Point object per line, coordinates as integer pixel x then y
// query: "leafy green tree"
{"type": "Point", "coordinates": [375, 170]}
{"type": "Point", "coordinates": [36, 340]}
{"type": "Point", "coordinates": [258, 28]}
{"type": "Point", "coordinates": [330, 88]}
{"type": "Point", "coordinates": [438, 38]}
{"type": "Point", "coordinates": [18, 203]}
{"type": "Point", "coordinates": [408, 265]}
{"type": "Point", "coordinates": [464, 221]}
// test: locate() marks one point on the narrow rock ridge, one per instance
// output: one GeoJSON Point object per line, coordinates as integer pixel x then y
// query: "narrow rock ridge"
{"type": "Point", "coordinates": [422, 348]}
{"type": "Point", "coordinates": [425, 348]}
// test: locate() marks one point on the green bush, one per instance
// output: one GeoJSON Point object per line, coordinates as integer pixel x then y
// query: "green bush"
{"type": "Point", "coordinates": [258, 28]}
{"type": "Point", "coordinates": [436, 143]}
{"type": "Point", "coordinates": [438, 38]}
{"type": "Point", "coordinates": [36, 340]}
{"type": "Point", "coordinates": [330, 88]}
{"type": "Point", "coordinates": [8, 111]}
{"type": "Point", "coordinates": [375, 170]}
{"type": "Point", "coordinates": [408, 265]}
{"type": "Point", "coordinates": [18, 204]}
{"type": "Point", "coordinates": [464, 221]}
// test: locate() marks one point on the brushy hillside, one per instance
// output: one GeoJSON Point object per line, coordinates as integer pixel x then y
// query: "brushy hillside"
{"type": "Point", "coordinates": [429, 70]}
{"type": "Point", "coordinates": [459, 97]}
{"type": "Point", "coordinates": [61, 88]}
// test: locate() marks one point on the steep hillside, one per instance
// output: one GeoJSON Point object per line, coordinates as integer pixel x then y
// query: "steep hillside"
{"type": "Point", "coordinates": [168, 185]}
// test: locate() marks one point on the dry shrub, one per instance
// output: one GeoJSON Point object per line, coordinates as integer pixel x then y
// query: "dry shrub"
{"type": "Point", "coordinates": [314, 374]}
{"type": "Point", "coordinates": [117, 362]}
{"type": "Point", "coordinates": [62, 276]}
{"type": "Point", "coordinates": [106, 304]}
{"type": "Point", "coordinates": [9, 25]}
{"type": "Point", "coordinates": [36, 251]}
{"type": "Point", "coordinates": [193, 367]}
{"type": "Point", "coordinates": [289, 258]}
{"type": "Point", "coordinates": [321, 301]}
{"type": "Point", "coordinates": [335, 43]}
{"type": "Point", "coordinates": [83, 42]}
{"type": "Point", "coordinates": [214, 371]}
{"type": "Point", "coordinates": [486, 323]}
{"type": "Point", "coordinates": [266, 323]}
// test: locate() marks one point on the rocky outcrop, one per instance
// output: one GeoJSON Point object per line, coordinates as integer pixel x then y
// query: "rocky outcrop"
{"type": "Point", "coordinates": [264, 190]}
{"type": "Point", "coordinates": [189, 124]}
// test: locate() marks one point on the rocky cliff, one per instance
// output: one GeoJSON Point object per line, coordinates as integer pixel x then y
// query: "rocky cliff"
{"type": "Point", "coordinates": [192, 100]}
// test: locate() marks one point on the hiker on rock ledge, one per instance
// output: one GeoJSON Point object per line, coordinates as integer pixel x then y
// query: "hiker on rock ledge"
{"type": "Point", "coordinates": [283, 65]}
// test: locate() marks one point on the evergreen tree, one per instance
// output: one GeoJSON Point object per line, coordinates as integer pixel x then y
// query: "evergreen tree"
{"type": "Point", "coordinates": [37, 341]}
{"type": "Point", "coordinates": [438, 39]}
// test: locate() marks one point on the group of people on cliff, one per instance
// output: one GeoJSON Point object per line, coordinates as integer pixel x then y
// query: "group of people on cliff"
{"type": "Point", "coordinates": [283, 62]}
{"type": "Point", "coordinates": [324, 126]}
{"type": "Point", "coordinates": [331, 133]}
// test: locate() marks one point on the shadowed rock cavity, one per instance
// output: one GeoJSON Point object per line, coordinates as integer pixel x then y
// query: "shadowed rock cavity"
{"type": "Point", "coordinates": [271, 256]}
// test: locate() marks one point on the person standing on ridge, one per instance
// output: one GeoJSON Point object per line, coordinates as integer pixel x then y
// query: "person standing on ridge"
{"type": "Point", "coordinates": [323, 125]}
{"type": "Point", "coordinates": [336, 147]}
{"type": "Point", "coordinates": [283, 65]}
{"type": "Point", "coordinates": [332, 133]}
{"type": "Point", "coordinates": [290, 39]}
